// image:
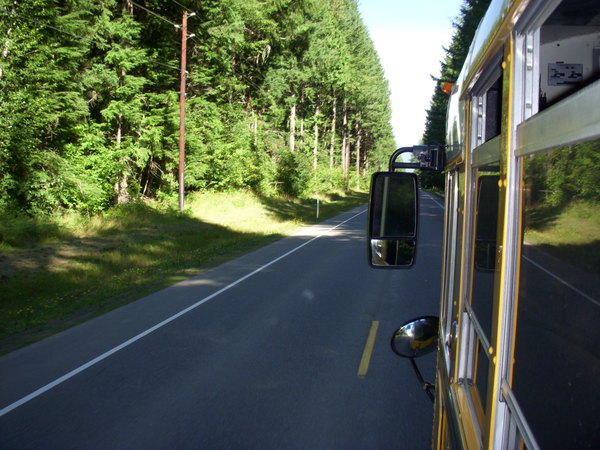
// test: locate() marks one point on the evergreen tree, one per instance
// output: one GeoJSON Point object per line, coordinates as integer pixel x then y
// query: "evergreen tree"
{"type": "Point", "coordinates": [465, 26]}
{"type": "Point", "coordinates": [89, 96]}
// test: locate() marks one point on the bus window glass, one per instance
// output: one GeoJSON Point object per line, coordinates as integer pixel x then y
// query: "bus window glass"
{"type": "Point", "coordinates": [482, 294]}
{"type": "Point", "coordinates": [557, 348]}
{"type": "Point", "coordinates": [458, 250]}
{"type": "Point", "coordinates": [486, 223]}
{"type": "Point", "coordinates": [487, 104]}
{"type": "Point", "coordinates": [454, 219]}
{"type": "Point", "coordinates": [482, 370]}
{"type": "Point", "coordinates": [570, 49]}
{"type": "Point", "coordinates": [493, 110]}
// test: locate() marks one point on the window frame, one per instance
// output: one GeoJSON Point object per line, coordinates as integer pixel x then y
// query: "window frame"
{"type": "Point", "coordinates": [531, 131]}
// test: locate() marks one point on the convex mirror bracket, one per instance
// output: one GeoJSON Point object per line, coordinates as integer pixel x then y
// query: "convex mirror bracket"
{"type": "Point", "coordinates": [416, 338]}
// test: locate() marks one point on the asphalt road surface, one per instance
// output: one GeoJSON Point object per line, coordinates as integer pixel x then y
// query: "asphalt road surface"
{"type": "Point", "coordinates": [270, 350]}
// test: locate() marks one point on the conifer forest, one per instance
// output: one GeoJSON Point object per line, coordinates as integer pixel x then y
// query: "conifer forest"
{"type": "Point", "coordinates": [281, 97]}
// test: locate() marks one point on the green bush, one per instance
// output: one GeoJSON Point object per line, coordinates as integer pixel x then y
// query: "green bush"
{"type": "Point", "coordinates": [293, 174]}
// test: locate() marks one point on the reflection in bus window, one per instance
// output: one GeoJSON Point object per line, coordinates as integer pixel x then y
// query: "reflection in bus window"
{"type": "Point", "coordinates": [557, 353]}
{"type": "Point", "coordinates": [395, 207]}
{"type": "Point", "coordinates": [486, 222]}
{"type": "Point", "coordinates": [493, 110]}
{"type": "Point", "coordinates": [569, 47]}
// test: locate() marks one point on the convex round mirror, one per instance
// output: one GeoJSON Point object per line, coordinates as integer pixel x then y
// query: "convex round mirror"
{"type": "Point", "coordinates": [416, 338]}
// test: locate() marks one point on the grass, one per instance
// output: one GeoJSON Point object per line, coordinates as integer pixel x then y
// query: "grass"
{"type": "Point", "coordinates": [58, 271]}
{"type": "Point", "coordinates": [571, 234]}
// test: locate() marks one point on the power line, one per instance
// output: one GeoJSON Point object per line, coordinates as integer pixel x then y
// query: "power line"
{"type": "Point", "coordinates": [192, 13]}
{"type": "Point", "coordinates": [177, 3]}
{"type": "Point", "coordinates": [176, 25]}
{"type": "Point", "coordinates": [166, 65]}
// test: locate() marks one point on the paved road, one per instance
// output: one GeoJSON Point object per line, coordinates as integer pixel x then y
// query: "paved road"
{"type": "Point", "coordinates": [261, 352]}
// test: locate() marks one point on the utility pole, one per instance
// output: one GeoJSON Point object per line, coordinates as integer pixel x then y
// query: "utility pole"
{"type": "Point", "coordinates": [184, 38]}
{"type": "Point", "coordinates": [182, 108]}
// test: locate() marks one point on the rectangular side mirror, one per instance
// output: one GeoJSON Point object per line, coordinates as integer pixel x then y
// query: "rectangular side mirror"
{"type": "Point", "coordinates": [393, 220]}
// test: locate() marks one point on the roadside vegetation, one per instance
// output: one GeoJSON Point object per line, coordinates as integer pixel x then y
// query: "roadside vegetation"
{"type": "Point", "coordinates": [279, 95]}
{"type": "Point", "coordinates": [285, 101]}
{"type": "Point", "coordinates": [569, 233]}
{"type": "Point", "coordinates": [562, 203]}
{"type": "Point", "coordinates": [56, 271]}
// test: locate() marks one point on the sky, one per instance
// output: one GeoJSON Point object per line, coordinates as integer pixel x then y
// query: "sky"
{"type": "Point", "coordinates": [409, 36]}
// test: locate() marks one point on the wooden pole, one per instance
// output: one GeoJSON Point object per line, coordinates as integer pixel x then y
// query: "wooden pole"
{"type": "Point", "coordinates": [182, 109]}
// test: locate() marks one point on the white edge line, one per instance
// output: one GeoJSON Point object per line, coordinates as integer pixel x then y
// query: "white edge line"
{"type": "Point", "coordinates": [583, 294]}
{"type": "Point", "coordinates": [143, 334]}
{"type": "Point", "coordinates": [434, 200]}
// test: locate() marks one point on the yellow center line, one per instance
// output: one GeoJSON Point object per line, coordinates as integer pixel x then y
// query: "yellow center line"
{"type": "Point", "coordinates": [368, 351]}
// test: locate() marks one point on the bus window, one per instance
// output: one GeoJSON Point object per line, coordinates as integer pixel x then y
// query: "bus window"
{"type": "Point", "coordinates": [557, 349]}
{"type": "Point", "coordinates": [569, 50]}
{"type": "Point", "coordinates": [455, 188]}
{"type": "Point", "coordinates": [486, 220]}
{"type": "Point", "coordinates": [557, 340]}
{"type": "Point", "coordinates": [487, 104]}
{"type": "Point", "coordinates": [493, 110]}
{"type": "Point", "coordinates": [487, 121]}
{"type": "Point", "coordinates": [482, 294]}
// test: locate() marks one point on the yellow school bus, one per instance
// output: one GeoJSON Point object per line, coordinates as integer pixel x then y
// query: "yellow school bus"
{"type": "Point", "coordinates": [518, 334]}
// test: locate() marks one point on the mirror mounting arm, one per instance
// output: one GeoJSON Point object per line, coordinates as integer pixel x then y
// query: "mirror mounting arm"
{"type": "Point", "coordinates": [429, 157]}
{"type": "Point", "coordinates": [416, 338]}
{"type": "Point", "coordinates": [424, 384]}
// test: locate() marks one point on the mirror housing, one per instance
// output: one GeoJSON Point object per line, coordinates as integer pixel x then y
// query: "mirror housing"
{"type": "Point", "coordinates": [393, 220]}
{"type": "Point", "coordinates": [416, 338]}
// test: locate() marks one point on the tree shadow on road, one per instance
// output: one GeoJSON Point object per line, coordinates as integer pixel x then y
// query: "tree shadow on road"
{"type": "Point", "coordinates": [305, 210]}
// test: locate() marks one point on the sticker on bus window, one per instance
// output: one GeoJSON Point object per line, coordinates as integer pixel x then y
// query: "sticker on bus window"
{"type": "Point", "coordinates": [560, 74]}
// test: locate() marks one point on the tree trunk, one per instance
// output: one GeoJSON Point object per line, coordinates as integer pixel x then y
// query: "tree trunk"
{"type": "Point", "coordinates": [293, 125]}
{"type": "Point", "coordinates": [332, 145]}
{"type": "Point", "coordinates": [121, 189]}
{"type": "Point", "coordinates": [147, 183]}
{"type": "Point", "coordinates": [345, 139]}
{"type": "Point", "coordinates": [316, 142]}
{"type": "Point", "coordinates": [357, 146]}
{"type": "Point", "coordinates": [119, 129]}
{"type": "Point", "coordinates": [5, 49]}
{"type": "Point", "coordinates": [302, 122]}
{"type": "Point", "coordinates": [121, 185]}
{"type": "Point", "coordinates": [365, 157]}
{"type": "Point", "coordinates": [255, 130]}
